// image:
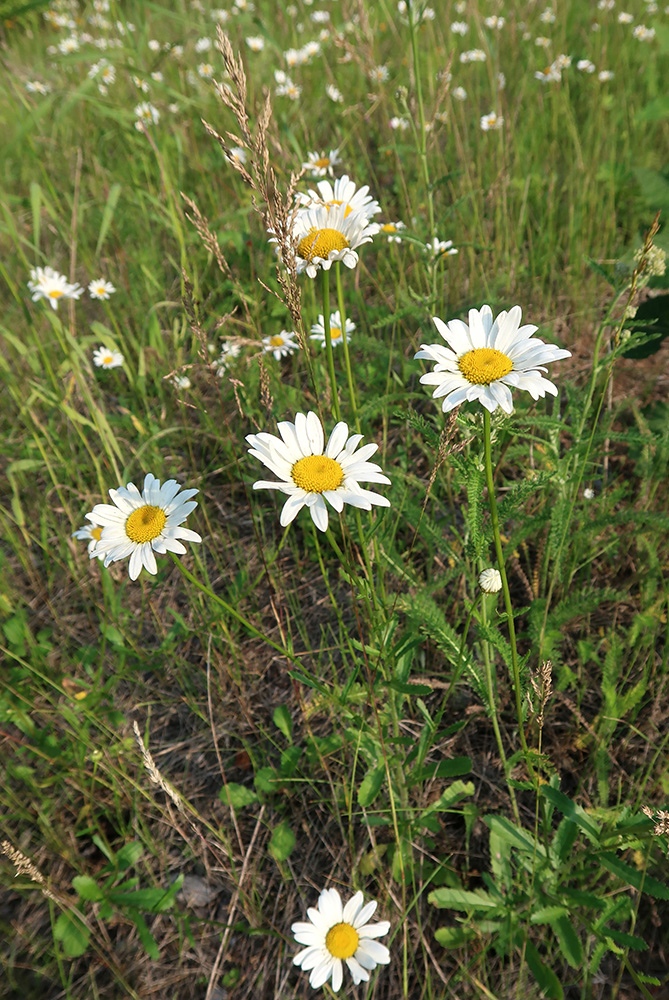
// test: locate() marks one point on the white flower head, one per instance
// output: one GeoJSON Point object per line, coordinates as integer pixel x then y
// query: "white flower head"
{"type": "Point", "coordinates": [181, 382]}
{"type": "Point", "coordinates": [378, 74]}
{"type": "Point", "coordinates": [147, 115]}
{"type": "Point", "coordinates": [338, 934]}
{"type": "Point", "coordinates": [322, 164]}
{"type": "Point", "coordinates": [281, 344]}
{"type": "Point", "coordinates": [585, 66]}
{"type": "Point", "coordinates": [100, 289]}
{"type": "Point", "coordinates": [392, 230]}
{"type": "Point", "coordinates": [589, 493]}
{"type": "Point", "coordinates": [492, 122]}
{"type": "Point", "coordinates": [487, 358]}
{"type": "Point", "coordinates": [104, 357]}
{"type": "Point", "coordinates": [459, 27]}
{"type": "Point", "coordinates": [336, 333]}
{"type": "Point", "coordinates": [90, 533]}
{"type": "Point", "coordinates": [334, 93]}
{"type": "Point", "coordinates": [441, 248]}
{"type": "Point", "coordinates": [490, 581]}
{"type": "Point", "coordinates": [45, 283]}
{"type": "Point", "coordinates": [37, 87]}
{"type": "Point", "coordinates": [138, 524]}
{"type": "Point", "coordinates": [256, 43]}
{"type": "Point", "coordinates": [326, 235]}
{"type": "Point", "coordinates": [311, 472]}
{"type": "Point", "coordinates": [342, 192]}
{"type": "Point", "coordinates": [459, 94]}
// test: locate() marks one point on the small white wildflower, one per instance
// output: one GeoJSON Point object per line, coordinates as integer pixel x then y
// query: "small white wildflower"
{"type": "Point", "coordinates": [585, 66]}
{"type": "Point", "coordinates": [589, 493]}
{"type": "Point", "coordinates": [256, 43]}
{"type": "Point", "coordinates": [203, 45]}
{"type": "Point", "coordinates": [459, 27]}
{"type": "Point", "coordinates": [491, 122]}
{"type": "Point", "coordinates": [334, 93]}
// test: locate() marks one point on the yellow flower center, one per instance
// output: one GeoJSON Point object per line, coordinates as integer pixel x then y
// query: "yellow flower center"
{"type": "Point", "coordinates": [96, 533]}
{"type": "Point", "coordinates": [277, 341]}
{"type": "Point", "coordinates": [484, 365]}
{"type": "Point", "coordinates": [101, 289]}
{"type": "Point", "coordinates": [145, 524]}
{"type": "Point", "coordinates": [389, 228]}
{"type": "Point", "coordinates": [319, 243]}
{"type": "Point", "coordinates": [335, 333]}
{"type": "Point", "coordinates": [55, 293]}
{"type": "Point", "coordinates": [107, 360]}
{"type": "Point", "coordinates": [342, 941]}
{"type": "Point", "coordinates": [323, 163]}
{"type": "Point", "coordinates": [315, 474]}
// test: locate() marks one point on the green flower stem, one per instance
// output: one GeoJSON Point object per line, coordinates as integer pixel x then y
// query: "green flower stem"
{"type": "Point", "coordinates": [490, 684]}
{"type": "Point", "coordinates": [505, 587]}
{"type": "Point", "coordinates": [328, 343]}
{"type": "Point", "coordinates": [353, 400]}
{"type": "Point", "coordinates": [351, 570]}
{"type": "Point", "coordinates": [228, 608]}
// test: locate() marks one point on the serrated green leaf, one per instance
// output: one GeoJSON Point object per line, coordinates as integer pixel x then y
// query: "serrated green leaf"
{"type": "Point", "coordinates": [129, 855]}
{"type": "Point", "coordinates": [546, 978]}
{"type": "Point", "coordinates": [626, 940]}
{"type": "Point", "coordinates": [514, 835]}
{"type": "Point", "coordinates": [282, 841]}
{"type": "Point", "coordinates": [569, 941]}
{"type": "Point", "coordinates": [462, 899]}
{"type": "Point", "coordinates": [72, 934]}
{"type": "Point", "coordinates": [370, 785]}
{"type": "Point", "coordinates": [454, 937]}
{"type": "Point", "coordinates": [237, 796]}
{"type": "Point", "coordinates": [87, 888]}
{"type": "Point", "coordinates": [639, 880]}
{"type": "Point", "coordinates": [571, 810]}
{"type": "Point", "coordinates": [283, 721]}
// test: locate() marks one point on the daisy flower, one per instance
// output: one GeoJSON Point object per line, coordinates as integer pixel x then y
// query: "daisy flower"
{"type": "Point", "coordinates": [318, 329]}
{"type": "Point", "coordinates": [281, 344]}
{"type": "Point", "coordinates": [491, 122]}
{"type": "Point", "coordinates": [487, 358]}
{"type": "Point", "coordinates": [229, 351]}
{"type": "Point", "coordinates": [310, 473]}
{"type": "Point", "coordinates": [320, 164]}
{"type": "Point", "coordinates": [441, 248]}
{"type": "Point", "coordinates": [325, 235]}
{"type": "Point", "coordinates": [147, 115]}
{"type": "Point", "coordinates": [334, 93]}
{"type": "Point", "coordinates": [256, 43]}
{"type": "Point", "coordinates": [342, 192]}
{"type": "Point", "coordinates": [338, 934]}
{"type": "Point", "coordinates": [106, 358]}
{"type": "Point", "coordinates": [90, 533]}
{"type": "Point", "coordinates": [37, 87]}
{"type": "Point", "coordinates": [45, 283]}
{"type": "Point", "coordinates": [100, 289]}
{"type": "Point", "coordinates": [138, 524]}
{"type": "Point", "coordinates": [391, 231]}
{"type": "Point", "coordinates": [585, 66]}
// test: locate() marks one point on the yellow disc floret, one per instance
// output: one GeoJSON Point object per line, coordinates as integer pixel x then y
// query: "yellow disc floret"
{"type": "Point", "coordinates": [335, 333]}
{"type": "Point", "coordinates": [145, 524]}
{"type": "Point", "coordinates": [277, 341]}
{"type": "Point", "coordinates": [96, 532]}
{"type": "Point", "coordinates": [317, 473]}
{"type": "Point", "coordinates": [319, 243]}
{"type": "Point", "coordinates": [484, 365]}
{"type": "Point", "coordinates": [55, 293]}
{"type": "Point", "coordinates": [342, 941]}
{"type": "Point", "coordinates": [323, 163]}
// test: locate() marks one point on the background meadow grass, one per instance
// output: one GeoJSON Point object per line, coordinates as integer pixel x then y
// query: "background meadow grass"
{"type": "Point", "coordinates": [371, 762]}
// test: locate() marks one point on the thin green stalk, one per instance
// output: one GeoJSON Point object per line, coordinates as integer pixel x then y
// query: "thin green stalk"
{"type": "Point", "coordinates": [505, 587]}
{"type": "Point", "coordinates": [328, 343]}
{"type": "Point", "coordinates": [353, 400]}
{"type": "Point", "coordinates": [232, 611]}
{"type": "Point", "coordinates": [492, 698]}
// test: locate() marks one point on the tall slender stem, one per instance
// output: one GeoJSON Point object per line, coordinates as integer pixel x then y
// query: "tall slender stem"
{"type": "Point", "coordinates": [347, 358]}
{"type": "Point", "coordinates": [328, 343]}
{"type": "Point", "coordinates": [232, 611]}
{"type": "Point", "coordinates": [505, 587]}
